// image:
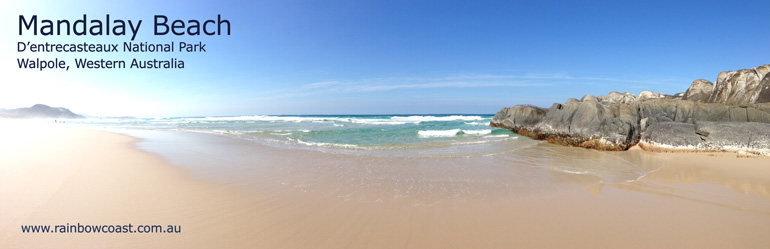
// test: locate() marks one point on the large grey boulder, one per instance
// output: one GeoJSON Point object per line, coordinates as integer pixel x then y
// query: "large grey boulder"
{"type": "Point", "coordinates": [670, 136]}
{"type": "Point", "coordinates": [591, 124]}
{"type": "Point", "coordinates": [699, 91]}
{"type": "Point", "coordinates": [587, 123]}
{"type": "Point", "coordinates": [519, 116]}
{"type": "Point", "coordinates": [747, 137]}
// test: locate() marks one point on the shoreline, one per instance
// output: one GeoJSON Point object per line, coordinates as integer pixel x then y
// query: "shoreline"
{"type": "Point", "coordinates": [243, 195]}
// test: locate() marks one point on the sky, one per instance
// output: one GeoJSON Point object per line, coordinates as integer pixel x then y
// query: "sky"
{"type": "Point", "coordinates": [386, 57]}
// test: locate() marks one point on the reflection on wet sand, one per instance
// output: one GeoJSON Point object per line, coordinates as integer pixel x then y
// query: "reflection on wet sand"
{"type": "Point", "coordinates": [705, 178]}
{"type": "Point", "coordinates": [711, 179]}
{"type": "Point", "coordinates": [509, 170]}
{"type": "Point", "coordinates": [517, 193]}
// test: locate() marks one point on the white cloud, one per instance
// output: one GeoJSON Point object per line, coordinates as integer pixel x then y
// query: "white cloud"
{"type": "Point", "coordinates": [446, 82]}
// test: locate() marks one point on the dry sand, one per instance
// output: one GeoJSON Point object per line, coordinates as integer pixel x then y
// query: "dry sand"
{"type": "Point", "coordinates": [51, 175]}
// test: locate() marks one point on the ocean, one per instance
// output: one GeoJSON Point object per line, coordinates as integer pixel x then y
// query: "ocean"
{"type": "Point", "coordinates": [431, 139]}
{"type": "Point", "coordinates": [345, 132]}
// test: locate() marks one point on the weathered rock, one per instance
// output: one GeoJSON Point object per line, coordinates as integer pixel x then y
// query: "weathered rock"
{"type": "Point", "coordinates": [616, 97]}
{"type": "Point", "coordinates": [704, 136]}
{"type": "Point", "coordinates": [587, 97]}
{"type": "Point", "coordinates": [665, 110]}
{"type": "Point", "coordinates": [740, 87]}
{"type": "Point", "coordinates": [764, 90]}
{"type": "Point", "coordinates": [670, 136]}
{"type": "Point", "coordinates": [518, 116]}
{"type": "Point", "coordinates": [699, 91]}
{"type": "Point", "coordinates": [759, 113]}
{"type": "Point", "coordinates": [748, 137]}
{"type": "Point", "coordinates": [662, 122]}
{"type": "Point", "coordinates": [643, 95]}
{"type": "Point", "coordinates": [587, 123]}
{"type": "Point", "coordinates": [592, 124]}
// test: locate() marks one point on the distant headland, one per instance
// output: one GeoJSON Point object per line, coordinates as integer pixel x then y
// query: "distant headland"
{"type": "Point", "coordinates": [39, 111]}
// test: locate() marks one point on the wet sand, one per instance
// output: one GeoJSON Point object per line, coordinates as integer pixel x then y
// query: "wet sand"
{"type": "Point", "coordinates": [233, 193]}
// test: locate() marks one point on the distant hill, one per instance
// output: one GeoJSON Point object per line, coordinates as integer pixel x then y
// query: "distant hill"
{"type": "Point", "coordinates": [39, 111]}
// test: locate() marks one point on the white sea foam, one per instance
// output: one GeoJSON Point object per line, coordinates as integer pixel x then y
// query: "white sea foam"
{"type": "Point", "coordinates": [477, 123]}
{"type": "Point", "coordinates": [109, 120]}
{"type": "Point", "coordinates": [434, 118]}
{"type": "Point", "coordinates": [477, 132]}
{"type": "Point", "coordinates": [238, 118]}
{"type": "Point", "coordinates": [439, 133]}
{"type": "Point", "coordinates": [292, 119]}
{"type": "Point", "coordinates": [290, 131]}
{"type": "Point", "coordinates": [378, 121]}
{"type": "Point", "coordinates": [350, 146]}
{"type": "Point", "coordinates": [452, 132]}
{"type": "Point", "coordinates": [399, 120]}
{"type": "Point", "coordinates": [395, 120]}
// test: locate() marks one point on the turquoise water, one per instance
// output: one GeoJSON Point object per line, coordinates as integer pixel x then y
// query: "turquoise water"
{"type": "Point", "coordinates": [334, 131]}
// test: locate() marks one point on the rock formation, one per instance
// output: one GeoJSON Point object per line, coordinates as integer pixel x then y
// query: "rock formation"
{"type": "Point", "coordinates": [742, 137]}
{"type": "Point", "coordinates": [731, 115]}
{"type": "Point", "coordinates": [699, 91]}
{"type": "Point", "coordinates": [741, 87]}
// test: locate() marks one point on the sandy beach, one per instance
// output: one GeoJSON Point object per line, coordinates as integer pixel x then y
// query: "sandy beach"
{"type": "Point", "coordinates": [230, 193]}
{"type": "Point", "coordinates": [385, 124]}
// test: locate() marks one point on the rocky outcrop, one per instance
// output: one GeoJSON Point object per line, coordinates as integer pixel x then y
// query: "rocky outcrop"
{"type": "Point", "coordinates": [519, 116]}
{"type": "Point", "coordinates": [665, 110]}
{"type": "Point", "coordinates": [40, 111]}
{"type": "Point", "coordinates": [699, 91]}
{"type": "Point", "coordinates": [764, 90]}
{"type": "Point", "coordinates": [670, 136]}
{"type": "Point", "coordinates": [593, 124]}
{"type": "Point", "coordinates": [650, 95]}
{"type": "Point", "coordinates": [616, 97]}
{"type": "Point", "coordinates": [590, 123]}
{"type": "Point", "coordinates": [744, 86]}
{"type": "Point", "coordinates": [748, 138]}
{"type": "Point", "coordinates": [618, 121]}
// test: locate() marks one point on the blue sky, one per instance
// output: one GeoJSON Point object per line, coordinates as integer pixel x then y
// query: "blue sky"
{"type": "Point", "coordinates": [366, 57]}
